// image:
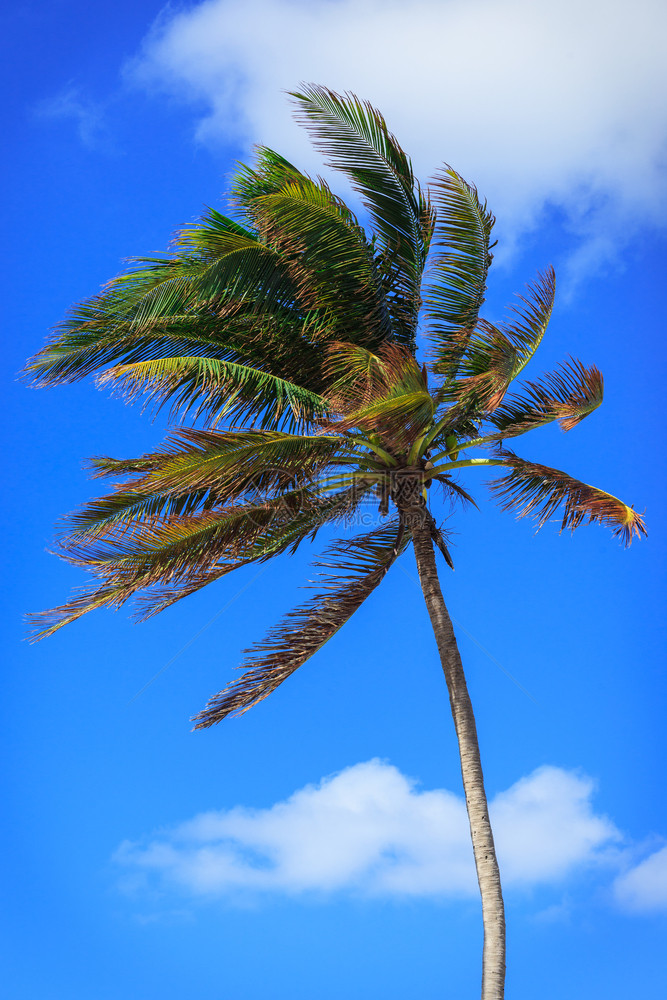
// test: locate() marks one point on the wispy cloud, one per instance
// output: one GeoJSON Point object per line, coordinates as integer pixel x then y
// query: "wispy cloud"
{"type": "Point", "coordinates": [371, 830]}
{"type": "Point", "coordinates": [87, 115]}
{"type": "Point", "coordinates": [643, 888]}
{"type": "Point", "coordinates": [544, 106]}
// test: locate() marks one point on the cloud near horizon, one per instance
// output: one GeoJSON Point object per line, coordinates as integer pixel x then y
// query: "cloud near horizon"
{"type": "Point", "coordinates": [370, 830]}
{"type": "Point", "coordinates": [643, 888]}
{"type": "Point", "coordinates": [543, 106]}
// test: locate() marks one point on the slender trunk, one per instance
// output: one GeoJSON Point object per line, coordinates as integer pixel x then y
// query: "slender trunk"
{"type": "Point", "coordinates": [488, 874]}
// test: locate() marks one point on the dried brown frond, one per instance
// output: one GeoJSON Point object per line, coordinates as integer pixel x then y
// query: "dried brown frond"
{"type": "Point", "coordinates": [85, 600]}
{"type": "Point", "coordinates": [489, 370]}
{"type": "Point", "coordinates": [495, 355]}
{"type": "Point", "coordinates": [359, 564]}
{"type": "Point", "coordinates": [359, 378]}
{"type": "Point", "coordinates": [439, 539]}
{"type": "Point", "coordinates": [183, 553]}
{"type": "Point", "coordinates": [567, 395]}
{"type": "Point", "coordinates": [538, 490]}
{"type": "Point", "coordinates": [153, 600]}
{"type": "Point", "coordinates": [384, 393]}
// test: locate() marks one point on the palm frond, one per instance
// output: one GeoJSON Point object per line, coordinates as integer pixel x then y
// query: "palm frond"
{"type": "Point", "coordinates": [174, 547]}
{"type": "Point", "coordinates": [353, 372]}
{"type": "Point", "coordinates": [86, 599]}
{"type": "Point", "coordinates": [198, 469]}
{"type": "Point", "coordinates": [396, 420]}
{"type": "Point", "coordinates": [298, 516]}
{"type": "Point", "coordinates": [384, 395]}
{"type": "Point", "coordinates": [532, 318]}
{"type": "Point", "coordinates": [495, 355]}
{"type": "Point", "coordinates": [328, 258]}
{"type": "Point", "coordinates": [538, 490]}
{"type": "Point", "coordinates": [354, 138]}
{"type": "Point", "coordinates": [213, 452]}
{"type": "Point", "coordinates": [270, 173]}
{"type": "Point", "coordinates": [458, 273]}
{"type": "Point", "coordinates": [213, 259]}
{"type": "Point", "coordinates": [321, 244]}
{"type": "Point", "coordinates": [192, 300]}
{"type": "Point", "coordinates": [124, 511]}
{"type": "Point", "coordinates": [359, 565]}
{"type": "Point", "coordinates": [94, 336]}
{"type": "Point", "coordinates": [486, 369]}
{"type": "Point", "coordinates": [568, 395]}
{"type": "Point", "coordinates": [454, 491]}
{"type": "Point", "coordinates": [214, 388]}
{"type": "Point", "coordinates": [360, 377]}
{"type": "Point", "coordinates": [438, 538]}
{"type": "Point", "coordinates": [97, 333]}
{"type": "Point", "coordinates": [212, 236]}
{"type": "Point", "coordinates": [178, 555]}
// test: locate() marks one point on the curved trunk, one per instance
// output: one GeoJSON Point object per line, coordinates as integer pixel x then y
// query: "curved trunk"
{"type": "Point", "coordinates": [488, 874]}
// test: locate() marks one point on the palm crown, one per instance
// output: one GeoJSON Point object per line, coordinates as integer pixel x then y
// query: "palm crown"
{"type": "Point", "coordinates": [294, 322]}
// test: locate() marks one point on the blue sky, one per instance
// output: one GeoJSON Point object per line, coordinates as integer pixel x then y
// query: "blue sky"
{"type": "Point", "coordinates": [317, 846]}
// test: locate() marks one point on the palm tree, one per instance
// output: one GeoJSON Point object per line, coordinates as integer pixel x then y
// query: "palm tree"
{"type": "Point", "coordinates": [289, 335]}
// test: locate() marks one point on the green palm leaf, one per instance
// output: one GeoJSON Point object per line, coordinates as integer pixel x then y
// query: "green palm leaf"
{"type": "Point", "coordinates": [185, 302]}
{"type": "Point", "coordinates": [198, 469]}
{"type": "Point", "coordinates": [459, 270]}
{"type": "Point", "coordinates": [270, 174]}
{"type": "Point", "coordinates": [280, 200]}
{"type": "Point", "coordinates": [211, 237]}
{"type": "Point", "coordinates": [328, 259]}
{"type": "Point", "coordinates": [354, 138]}
{"type": "Point", "coordinates": [98, 333]}
{"type": "Point", "coordinates": [214, 388]}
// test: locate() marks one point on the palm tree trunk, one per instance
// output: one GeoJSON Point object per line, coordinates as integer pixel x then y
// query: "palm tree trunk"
{"type": "Point", "coordinates": [488, 874]}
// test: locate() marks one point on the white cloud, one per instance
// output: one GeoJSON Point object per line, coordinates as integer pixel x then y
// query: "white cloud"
{"type": "Point", "coordinates": [71, 104]}
{"type": "Point", "coordinates": [545, 825]}
{"type": "Point", "coordinates": [369, 829]}
{"type": "Point", "coordinates": [538, 103]}
{"type": "Point", "coordinates": [643, 889]}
